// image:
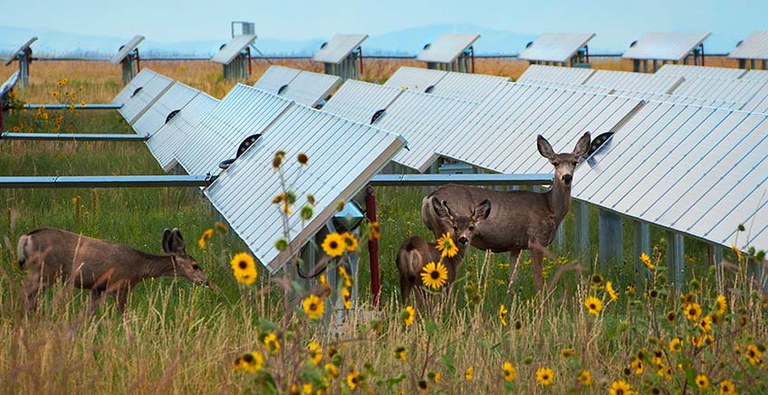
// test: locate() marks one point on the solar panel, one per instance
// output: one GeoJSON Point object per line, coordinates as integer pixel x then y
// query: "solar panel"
{"type": "Point", "coordinates": [141, 79]}
{"type": "Point", "coordinates": [126, 49]}
{"type": "Point", "coordinates": [415, 78]}
{"type": "Point", "coordinates": [755, 75]}
{"type": "Point", "coordinates": [638, 82]}
{"type": "Point", "coordinates": [447, 48]}
{"type": "Point", "coordinates": [758, 102]}
{"type": "Point", "coordinates": [567, 75]}
{"type": "Point", "coordinates": [500, 134]}
{"type": "Point", "coordinates": [728, 90]}
{"type": "Point", "coordinates": [310, 88]}
{"type": "Point", "coordinates": [712, 161]}
{"type": "Point", "coordinates": [755, 46]}
{"type": "Point", "coordinates": [144, 97]}
{"type": "Point", "coordinates": [693, 101]}
{"type": "Point", "coordinates": [243, 112]}
{"type": "Point", "coordinates": [472, 87]}
{"type": "Point", "coordinates": [699, 71]}
{"type": "Point", "coordinates": [567, 86]}
{"type": "Point", "coordinates": [243, 193]}
{"type": "Point", "coordinates": [425, 121]}
{"type": "Point", "coordinates": [339, 47]}
{"type": "Point", "coordinates": [21, 48]}
{"type": "Point", "coordinates": [665, 46]}
{"type": "Point", "coordinates": [165, 142]}
{"type": "Point", "coordinates": [275, 78]}
{"type": "Point", "coordinates": [176, 97]}
{"type": "Point", "coordinates": [359, 101]}
{"type": "Point", "coordinates": [230, 50]}
{"type": "Point", "coordinates": [555, 47]}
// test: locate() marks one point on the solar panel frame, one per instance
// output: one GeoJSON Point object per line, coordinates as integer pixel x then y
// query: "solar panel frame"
{"type": "Point", "coordinates": [140, 101]}
{"type": "Point", "coordinates": [665, 46]}
{"type": "Point", "coordinates": [126, 49]}
{"type": "Point", "coordinates": [555, 47]}
{"type": "Point", "coordinates": [232, 49]}
{"type": "Point", "coordinates": [174, 98]}
{"type": "Point", "coordinates": [414, 78]}
{"type": "Point", "coordinates": [447, 47]}
{"type": "Point", "coordinates": [339, 47]}
{"type": "Point", "coordinates": [24, 46]}
{"type": "Point", "coordinates": [755, 46]}
{"type": "Point", "coordinates": [690, 71]}
{"type": "Point", "coordinates": [359, 101]}
{"type": "Point", "coordinates": [243, 193]}
{"type": "Point", "coordinates": [727, 90]}
{"type": "Point", "coordinates": [568, 75]}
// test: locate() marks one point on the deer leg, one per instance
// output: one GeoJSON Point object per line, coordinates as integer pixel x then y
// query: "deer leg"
{"type": "Point", "coordinates": [405, 289]}
{"type": "Point", "coordinates": [121, 299]}
{"type": "Point", "coordinates": [538, 274]}
{"type": "Point", "coordinates": [32, 289]}
{"type": "Point", "coordinates": [96, 296]}
{"type": "Point", "coordinates": [514, 266]}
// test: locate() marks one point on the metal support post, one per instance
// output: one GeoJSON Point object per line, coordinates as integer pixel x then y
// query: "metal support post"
{"type": "Point", "coordinates": [611, 247]}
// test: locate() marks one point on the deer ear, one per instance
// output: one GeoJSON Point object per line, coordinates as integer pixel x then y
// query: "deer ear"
{"type": "Point", "coordinates": [582, 146]}
{"type": "Point", "coordinates": [167, 241]}
{"type": "Point", "coordinates": [482, 210]}
{"type": "Point", "coordinates": [176, 243]}
{"type": "Point", "coordinates": [441, 209]}
{"type": "Point", "coordinates": [545, 149]}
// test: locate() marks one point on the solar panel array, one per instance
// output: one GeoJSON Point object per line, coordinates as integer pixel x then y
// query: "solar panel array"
{"type": "Point", "coordinates": [555, 47]}
{"type": "Point", "coordinates": [699, 71]}
{"type": "Point", "coordinates": [174, 98]}
{"type": "Point", "coordinates": [755, 46]}
{"type": "Point", "coordinates": [446, 48]}
{"type": "Point", "coordinates": [126, 49]}
{"type": "Point", "coordinates": [568, 75]}
{"type": "Point", "coordinates": [339, 47]}
{"type": "Point", "coordinates": [359, 101]}
{"type": "Point", "coordinates": [233, 48]}
{"type": "Point", "coordinates": [665, 46]}
{"type": "Point", "coordinates": [137, 97]}
{"type": "Point", "coordinates": [637, 82]}
{"type": "Point", "coordinates": [304, 87]}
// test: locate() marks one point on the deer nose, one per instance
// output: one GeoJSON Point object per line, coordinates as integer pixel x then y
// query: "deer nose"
{"type": "Point", "coordinates": [463, 240]}
{"type": "Point", "coordinates": [567, 178]}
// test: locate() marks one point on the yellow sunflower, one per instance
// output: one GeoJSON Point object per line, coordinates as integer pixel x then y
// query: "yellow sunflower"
{"type": "Point", "coordinates": [676, 345]}
{"type": "Point", "coordinates": [508, 371]}
{"type": "Point", "coordinates": [585, 377]}
{"type": "Point", "coordinates": [594, 305]}
{"type": "Point", "coordinates": [354, 379]}
{"type": "Point", "coordinates": [203, 241]}
{"type": "Point", "coordinates": [400, 353]}
{"type": "Point", "coordinates": [446, 245]}
{"type": "Point", "coordinates": [647, 261]}
{"type": "Point", "coordinates": [270, 340]}
{"type": "Point", "coordinates": [503, 315]}
{"type": "Point", "coordinates": [735, 249]}
{"type": "Point", "coordinates": [333, 245]}
{"type": "Point", "coordinates": [313, 306]}
{"type": "Point", "coordinates": [545, 376]}
{"type": "Point", "coordinates": [567, 353]}
{"type": "Point", "coordinates": [611, 292]}
{"type": "Point", "coordinates": [346, 298]}
{"type": "Point", "coordinates": [375, 229]}
{"type": "Point", "coordinates": [702, 381]}
{"type": "Point", "coordinates": [468, 374]}
{"type": "Point", "coordinates": [693, 311]}
{"type": "Point", "coordinates": [409, 315]}
{"type": "Point", "coordinates": [705, 324]}
{"type": "Point", "coordinates": [331, 370]}
{"type": "Point", "coordinates": [315, 353]}
{"type": "Point", "coordinates": [620, 387]}
{"type": "Point", "coordinates": [434, 275]}
{"type": "Point", "coordinates": [727, 387]}
{"type": "Point", "coordinates": [753, 354]}
{"type": "Point", "coordinates": [350, 242]}
{"type": "Point", "coordinates": [637, 365]}
{"type": "Point", "coordinates": [244, 268]}
{"type": "Point", "coordinates": [251, 362]}
{"type": "Point", "coordinates": [721, 304]}
{"type": "Point", "coordinates": [347, 279]}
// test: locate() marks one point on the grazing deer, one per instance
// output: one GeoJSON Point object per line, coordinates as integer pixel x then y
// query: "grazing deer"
{"type": "Point", "coordinates": [415, 252]}
{"type": "Point", "coordinates": [103, 267]}
{"type": "Point", "coordinates": [520, 219]}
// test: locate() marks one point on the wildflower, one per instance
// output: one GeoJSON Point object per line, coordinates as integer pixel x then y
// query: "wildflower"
{"type": "Point", "coordinates": [653, 294]}
{"type": "Point", "coordinates": [346, 298]}
{"type": "Point", "coordinates": [567, 352]}
{"type": "Point", "coordinates": [722, 304]}
{"type": "Point", "coordinates": [585, 377]}
{"type": "Point", "coordinates": [251, 362]}
{"type": "Point", "coordinates": [468, 374]}
{"type": "Point", "coordinates": [671, 316]}
{"type": "Point", "coordinates": [735, 249]}
{"type": "Point", "coordinates": [400, 353]}
{"type": "Point", "coordinates": [423, 386]}
{"type": "Point", "coordinates": [753, 354]}
{"type": "Point", "coordinates": [664, 372]}
{"type": "Point", "coordinates": [727, 387]}
{"type": "Point", "coordinates": [434, 376]}
{"type": "Point", "coordinates": [306, 212]}
{"type": "Point", "coordinates": [350, 242]}
{"type": "Point", "coordinates": [697, 341]}
{"type": "Point", "coordinates": [434, 275]}
{"type": "Point", "coordinates": [203, 241]}
{"type": "Point", "coordinates": [446, 245]}
{"type": "Point", "coordinates": [354, 379]}
{"type": "Point", "coordinates": [277, 161]}
{"type": "Point", "coordinates": [597, 281]}
{"type": "Point", "coordinates": [702, 381]}
{"type": "Point", "coordinates": [508, 371]}
{"type": "Point", "coordinates": [518, 325]}
{"type": "Point", "coordinates": [687, 299]}
{"type": "Point", "coordinates": [315, 353]}
{"type": "Point", "coordinates": [647, 261]}
{"type": "Point", "coordinates": [545, 376]}
{"type": "Point", "coordinates": [375, 229]}
{"type": "Point", "coordinates": [55, 94]}
{"type": "Point", "coordinates": [281, 244]}
{"type": "Point", "coordinates": [637, 365]}
{"type": "Point", "coordinates": [693, 311]}
{"type": "Point", "coordinates": [270, 340]}
{"type": "Point", "coordinates": [503, 315]}
{"type": "Point", "coordinates": [409, 315]}
{"type": "Point", "coordinates": [676, 345]}
{"type": "Point", "coordinates": [333, 245]}
{"type": "Point", "coordinates": [620, 387]}
{"type": "Point", "coordinates": [306, 388]}
{"type": "Point", "coordinates": [611, 292]}
{"type": "Point", "coordinates": [594, 305]}
{"type": "Point", "coordinates": [313, 306]}
{"type": "Point", "coordinates": [244, 268]}
{"type": "Point", "coordinates": [331, 370]}
{"type": "Point", "coordinates": [303, 159]}
{"type": "Point", "coordinates": [705, 324]}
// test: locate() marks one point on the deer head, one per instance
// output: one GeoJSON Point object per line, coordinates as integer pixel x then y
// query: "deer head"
{"type": "Point", "coordinates": [183, 264]}
{"type": "Point", "coordinates": [565, 163]}
{"type": "Point", "coordinates": [461, 227]}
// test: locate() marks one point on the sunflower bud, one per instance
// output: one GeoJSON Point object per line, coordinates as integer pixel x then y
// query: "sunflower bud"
{"type": "Point", "coordinates": [306, 213]}
{"type": "Point", "coordinates": [281, 244]}
{"type": "Point", "coordinates": [303, 159]}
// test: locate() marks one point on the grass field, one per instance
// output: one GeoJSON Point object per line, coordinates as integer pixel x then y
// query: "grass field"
{"type": "Point", "coordinates": [180, 338]}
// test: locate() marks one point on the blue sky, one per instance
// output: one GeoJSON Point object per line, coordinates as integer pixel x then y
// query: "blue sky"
{"type": "Point", "coordinates": [615, 22]}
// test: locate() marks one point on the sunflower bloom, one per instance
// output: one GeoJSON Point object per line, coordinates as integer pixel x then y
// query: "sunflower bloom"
{"type": "Point", "coordinates": [400, 353]}
{"type": "Point", "coordinates": [611, 292]}
{"type": "Point", "coordinates": [346, 298]}
{"type": "Point", "coordinates": [468, 374]}
{"type": "Point", "coordinates": [702, 381]}
{"type": "Point", "coordinates": [508, 371]}
{"type": "Point", "coordinates": [313, 306]}
{"type": "Point", "coordinates": [585, 377]}
{"type": "Point", "coordinates": [244, 268]}
{"type": "Point", "coordinates": [567, 353]}
{"type": "Point", "coordinates": [676, 345]}
{"type": "Point", "coordinates": [753, 354]}
{"type": "Point", "coordinates": [620, 387]}
{"type": "Point", "coordinates": [333, 245]}
{"type": "Point", "coordinates": [721, 304]}
{"type": "Point", "coordinates": [727, 387]}
{"type": "Point", "coordinates": [594, 305]}
{"type": "Point", "coordinates": [203, 241]}
{"type": "Point", "coordinates": [409, 315]}
{"type": "Point", "coordinates": [735, 249]}
{"type": "Point", "coordinates": [637, 366]}
{"type": "Point", "coordinates": [251, 362]}
{"type": "Point", "coordinates": [693, 311]}
{"type": "Point", "coordinates": [705, 324]}
{"type": "Point", "coordinates": [434, 275]}
{"type": "Point", "coordinates": [545, 376]}
{"type": "Point", "coordinates": [347, 279]}
{"type": "Point", "coordinates": [503, 315]}
{"type": "Point", "coordinates": [354, 379]}
{"type": "Point", "coordinates": [350, 242]}
{"type": "Point", "coordinates": [647, 261]}
{"type": "Point", "coordinates": [331, 370]}
{"type": "Point", "coordinates": [446, 245]}
{"type": "Point", "coordinates": [270, 340]}
{"type": "Point", "coordinates": [315, 353]}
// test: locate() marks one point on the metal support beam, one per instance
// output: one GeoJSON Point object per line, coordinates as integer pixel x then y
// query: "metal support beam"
{"type": "Point", "coordinates": [72, 137]}
{"type": "Point", "coordinates": [611, 247]}
{"type": "Point", "coordinates": [676, 260]}
{"type": "Point", "coordinates": [581, 229]}
{"type": "Point", "coordinates": [105, 181]}
{"type": "Point", "coordinates": [642, 241]}
{"type": "Point", "coordinates": [106, 106]}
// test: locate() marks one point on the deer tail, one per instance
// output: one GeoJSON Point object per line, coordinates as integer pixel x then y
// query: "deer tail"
{"type": "Point", "coordinates": [22, 252]}
{"type": "Point", "coordinates": [411, 263]}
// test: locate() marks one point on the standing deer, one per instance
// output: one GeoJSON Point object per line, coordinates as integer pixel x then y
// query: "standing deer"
{"type": "Point", "coordinates": [520, 219]}
{"type": "Point", "coordinates": [103, 267]}
{"type": "Point", "coordinates": [415, 252]}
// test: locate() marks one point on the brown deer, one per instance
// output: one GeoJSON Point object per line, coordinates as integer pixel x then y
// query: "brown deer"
{"type": "Point", "coordinates": [520, 219]}
{"type": "Point", "coordinates": [415, 252]}
{"type": "Point", "coordinates": [105, 268]}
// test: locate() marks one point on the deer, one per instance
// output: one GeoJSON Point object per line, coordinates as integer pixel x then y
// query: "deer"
{"type": "Point", "coordinates": [415, 252]}
{"type": "Point", "coordinates": [520, 219]}
{"type": "Point", "coordinates": [103, 267]}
